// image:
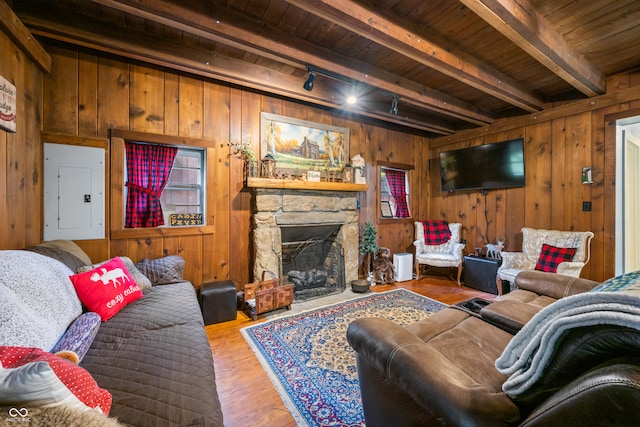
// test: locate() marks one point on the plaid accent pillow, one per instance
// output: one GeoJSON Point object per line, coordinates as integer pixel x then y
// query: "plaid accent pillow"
{"type": "Point", "coordinates": [436, 232]}
{"type": "Point", "coordinates": [164, 270]}
{"type": "Point", "coordinates": [551, 256]}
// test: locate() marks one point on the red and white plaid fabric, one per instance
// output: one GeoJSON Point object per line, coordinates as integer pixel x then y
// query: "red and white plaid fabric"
{"type": "Point", "coordinates": [396, 180]}
{"type": "Point", "coordinates": [551, 256]}
{"type": "Point", "coordinates": [436, 232]}
{"type": "Point", "coordinates": [148, 168]}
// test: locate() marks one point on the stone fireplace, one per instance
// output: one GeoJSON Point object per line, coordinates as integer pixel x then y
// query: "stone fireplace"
{"type": "Point", "coordinates": [308, 238]}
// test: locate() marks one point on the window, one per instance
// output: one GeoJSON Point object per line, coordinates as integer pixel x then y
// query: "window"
{"type": "Point", "coordinates": [394, 193]}
{"type": "Point", "coordinates": [184, 192]}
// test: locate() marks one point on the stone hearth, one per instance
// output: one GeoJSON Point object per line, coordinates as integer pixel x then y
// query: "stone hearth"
{"type": "Point", "coordinates": [275, 210]}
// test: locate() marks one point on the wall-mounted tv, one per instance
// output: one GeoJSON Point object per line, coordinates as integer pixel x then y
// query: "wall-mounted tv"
{"type": "Point", "coordinates": [483, 167]}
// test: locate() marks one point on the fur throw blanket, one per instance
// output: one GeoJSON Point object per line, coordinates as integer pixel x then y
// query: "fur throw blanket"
{"type": "Point", "coordinates": [528, 353]}
{"type": "Point", "coordinates": [55, 416]}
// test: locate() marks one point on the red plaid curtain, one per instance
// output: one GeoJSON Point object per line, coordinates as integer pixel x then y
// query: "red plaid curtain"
{"type": "Point", "coordinates": [397, 185]}
{"type": "Point", "coordinates": [148, 168]}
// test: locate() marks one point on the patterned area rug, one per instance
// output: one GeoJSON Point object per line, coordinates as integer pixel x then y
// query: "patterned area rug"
{"type": "Point", "coordinates": [310, 362]}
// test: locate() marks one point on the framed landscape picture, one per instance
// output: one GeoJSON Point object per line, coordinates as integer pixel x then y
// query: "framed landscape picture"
{"type": "Point", "coordinates": [299, 146]}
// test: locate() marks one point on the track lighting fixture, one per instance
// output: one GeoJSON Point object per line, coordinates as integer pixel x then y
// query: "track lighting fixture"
{"type": "Point", "coordinates": [394, 106]}
{"type": "Point", "coordinates": [308, 85]}
{"type": "Point", "coordinates": [352, 98]}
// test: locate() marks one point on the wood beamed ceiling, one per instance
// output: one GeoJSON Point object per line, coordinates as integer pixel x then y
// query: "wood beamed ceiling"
{"type": "Point", "coordinates": [452, 64]}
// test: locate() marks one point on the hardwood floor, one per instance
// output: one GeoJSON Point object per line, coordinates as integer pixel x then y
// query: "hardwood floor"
{"type": "Point", "coordinates": [246, 393]}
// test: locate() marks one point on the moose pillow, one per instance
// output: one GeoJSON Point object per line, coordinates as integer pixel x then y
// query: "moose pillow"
{"type": "Point", "coordinates": [106, 289]}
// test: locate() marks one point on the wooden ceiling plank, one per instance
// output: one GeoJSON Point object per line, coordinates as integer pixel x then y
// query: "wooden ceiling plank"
{"type": "Point", "coordinates": [284, 48]}
{"type": "Point", "coordinates": [521, 23]}
{"type": "Point", "coordinates": [446, 59]}
{"type": "Point", "coordinates": [195, 61]}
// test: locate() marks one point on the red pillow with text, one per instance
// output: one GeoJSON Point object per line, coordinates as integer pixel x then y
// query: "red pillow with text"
{"type": "Point", "coordinates": [551, 256]}
{"type": "Point", "coordinates": [106, 289]}
{"type": "Point", "coordinates": [31, 376]}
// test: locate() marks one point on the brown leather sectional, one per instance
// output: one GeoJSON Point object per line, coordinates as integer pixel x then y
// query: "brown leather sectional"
{"type": "Point", "coordinates": [441, 370]}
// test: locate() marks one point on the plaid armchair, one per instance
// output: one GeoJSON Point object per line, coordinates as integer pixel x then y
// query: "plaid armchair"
{"type": "Point", "coordinates": [448, 254]}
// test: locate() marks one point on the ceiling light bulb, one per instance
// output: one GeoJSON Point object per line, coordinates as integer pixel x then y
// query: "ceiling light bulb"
{"type": "Point", "coordinates": [351, 99]}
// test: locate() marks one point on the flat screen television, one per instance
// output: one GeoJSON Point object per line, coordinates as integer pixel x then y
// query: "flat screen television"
{"type": "Point", "coordinates": [483, 167]}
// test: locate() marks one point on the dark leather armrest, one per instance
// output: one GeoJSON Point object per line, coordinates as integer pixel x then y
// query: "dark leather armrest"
{"type": "Point", "coordinates": [579, 351]}
{"type": "Point", "coordinates": [553, 285]}
{"type": "Point", "coordinates": [604, 396]}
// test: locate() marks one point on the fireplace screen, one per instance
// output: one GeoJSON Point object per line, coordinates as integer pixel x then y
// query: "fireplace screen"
{"type": "Point", "coordinates": [312, 259]}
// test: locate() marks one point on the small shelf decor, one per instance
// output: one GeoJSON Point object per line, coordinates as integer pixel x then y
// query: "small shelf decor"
{"type": "Point", "coordinates": [358, 164]}
{"type": "Point", "coordinates": [347, 173]}
{"type": "Point", "coordinates": [268, 167]}
{"type": "Point", "coordinates": [244, 151]}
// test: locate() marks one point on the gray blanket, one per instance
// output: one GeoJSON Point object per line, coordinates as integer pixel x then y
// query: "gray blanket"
{"type": "Point", "coordinates": [528, 353]}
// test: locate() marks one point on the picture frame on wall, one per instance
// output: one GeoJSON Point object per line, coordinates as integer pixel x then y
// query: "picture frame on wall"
{"type": "Point", "coordinates": [385, 209]}
{"type": "Point", "coordinates": [299, 146]}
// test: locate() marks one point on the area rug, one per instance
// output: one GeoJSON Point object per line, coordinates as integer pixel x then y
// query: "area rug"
{"type": "Point", "coordinates": [310, 362]}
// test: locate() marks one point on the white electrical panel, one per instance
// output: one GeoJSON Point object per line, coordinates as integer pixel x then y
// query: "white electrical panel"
{"type": "Point", "coordinates": [403, 266]}
{"type": "Point", "coordinates": [73, 192]}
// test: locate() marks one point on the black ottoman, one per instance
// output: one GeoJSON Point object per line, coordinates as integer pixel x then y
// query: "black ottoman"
{"type": "Point", "coordinates": [218, 301]}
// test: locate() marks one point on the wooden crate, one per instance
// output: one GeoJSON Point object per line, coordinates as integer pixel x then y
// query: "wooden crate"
{"type": "Point", "coordinates": [267, 295]}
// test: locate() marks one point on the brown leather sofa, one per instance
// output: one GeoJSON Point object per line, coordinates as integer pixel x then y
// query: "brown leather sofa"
{"type": "Point", "coordinates": [441, 370]}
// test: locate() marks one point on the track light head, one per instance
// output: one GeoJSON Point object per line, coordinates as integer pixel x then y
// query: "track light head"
{"type": "Point", "coordinates": [308, 84]}
{"type": "Point", "coordinates": [394, 106]}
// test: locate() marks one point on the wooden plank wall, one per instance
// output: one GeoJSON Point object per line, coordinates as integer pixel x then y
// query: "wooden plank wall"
{"type": "Point", "coordinates": [558, 143]}
{"type": "Point", "coordinates": [21, 152]}
{"type": "Point", "coordinates": [87, 94]}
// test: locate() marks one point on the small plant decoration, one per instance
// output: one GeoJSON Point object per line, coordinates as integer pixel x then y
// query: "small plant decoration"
{"type": "Point", "coordinates": [368, 246]}
{"type": "Point", "coordinates": [244, 151]}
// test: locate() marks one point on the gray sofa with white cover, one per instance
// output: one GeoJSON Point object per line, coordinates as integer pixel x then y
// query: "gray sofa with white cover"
{"type": "Point", "coordinates": [153, 356]}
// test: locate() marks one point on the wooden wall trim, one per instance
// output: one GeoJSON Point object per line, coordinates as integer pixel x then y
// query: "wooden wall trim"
{"type": "Point", "coordinates": [621, 115]}
{"type": "Point", "coordinates": [60, 138]}
{"type": "Point", "coordinates": [131, 135]}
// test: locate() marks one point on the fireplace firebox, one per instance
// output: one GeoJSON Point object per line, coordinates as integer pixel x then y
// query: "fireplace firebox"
{"type": "Point", "coordinates": [313, 260]}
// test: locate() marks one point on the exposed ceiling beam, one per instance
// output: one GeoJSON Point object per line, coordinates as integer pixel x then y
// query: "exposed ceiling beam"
{"type": "Point", "coordinates": [227, 28]}
{"type": "Point", "coordinates": [15, 29]}
{"type": "Point", "coordinates": [145, 48]}
{"type": "Point", "coordinates": [446, 59]}
{"type": "Point", "coordinates": [521, 23]}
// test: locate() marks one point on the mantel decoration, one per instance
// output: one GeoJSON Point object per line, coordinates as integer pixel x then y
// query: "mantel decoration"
{"type": "Point", "coordinates": [347, 173]}
{"type": "Point", "coordinates": [358, 164]}
{"type": "Point", "coordinates": [268, 167]}
{"type": "Point", "coordinates": [7, 105]}
{"type": "Point", "coordinates": [244, 151]}
{"type": "Point", "coordinates": [299, 146]}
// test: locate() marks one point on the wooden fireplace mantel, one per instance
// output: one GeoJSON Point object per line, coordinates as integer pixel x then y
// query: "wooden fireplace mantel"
{"type": "Point", "coordinates": [290, 184]}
